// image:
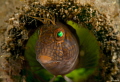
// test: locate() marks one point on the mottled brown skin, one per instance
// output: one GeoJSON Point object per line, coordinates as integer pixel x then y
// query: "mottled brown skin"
{"type": "Point", "coordinates": [57, 54]}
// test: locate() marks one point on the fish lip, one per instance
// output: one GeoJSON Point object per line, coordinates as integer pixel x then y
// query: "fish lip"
{"type": "Point", "coordinates": [52, 62]}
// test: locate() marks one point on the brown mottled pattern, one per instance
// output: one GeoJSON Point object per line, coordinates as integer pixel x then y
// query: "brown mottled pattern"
{"type": "Point", "coordinates": [63, 52]}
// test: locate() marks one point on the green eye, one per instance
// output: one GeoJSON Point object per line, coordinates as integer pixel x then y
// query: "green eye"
{"type": "Point", "coordinates": [60, 34]}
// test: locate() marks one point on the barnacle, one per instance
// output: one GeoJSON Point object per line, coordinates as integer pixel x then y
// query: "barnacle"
{"type": "Point", "coordinates": [34, 14]}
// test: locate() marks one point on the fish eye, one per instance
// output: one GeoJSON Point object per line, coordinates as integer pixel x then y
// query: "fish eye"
{"type": "Point", "coordinates": [59, 34]}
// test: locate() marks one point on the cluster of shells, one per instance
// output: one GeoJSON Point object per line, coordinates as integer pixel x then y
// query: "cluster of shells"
{"type": "Point", "coordinates": [33, 14]}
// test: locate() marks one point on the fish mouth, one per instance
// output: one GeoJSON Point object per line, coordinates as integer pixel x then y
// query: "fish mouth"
{"type": "Point", "coordinates": [51, 65]}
